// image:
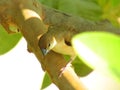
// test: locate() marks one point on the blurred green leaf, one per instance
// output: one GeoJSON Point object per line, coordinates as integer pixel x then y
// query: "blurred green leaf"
{"type": "Point", "coordinates": [50, 3]}
{"type": "Point", "coordinates": [85, 8]}
{"type": "Point", "coordinates": [111, 10]}
{"type": "Point", "coordinates": [46, 81]}
{"type": "Point", "coordinates": [88, 9]}
{"type": "Point", "coordinates": [7, 41]}
{"type": "Point", "coordinates": [80, 68]}
{"type": "Point", "coordinates": [115, 2]}
{"type": "Point", "coordinates": [99, 50]}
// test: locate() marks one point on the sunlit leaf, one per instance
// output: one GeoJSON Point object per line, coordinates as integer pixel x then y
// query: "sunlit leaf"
{"type": "Point", "coordinates": [7, 41]}
{"type": "Point", "coordinates": [99, 50]}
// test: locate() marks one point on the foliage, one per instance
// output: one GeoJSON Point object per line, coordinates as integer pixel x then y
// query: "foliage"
{"type": "Point", "coordinates": [46, 81]}
{"type": "Point", "coordinates": [88, 9]}
{"type": "Point", "coordinates": [100, 51]}
{"type": "Point", "coordinates": [80, 68]}
{"type": "Point", "coordinates": [7, 41]}
{"type": "Point", "coordinates": [110, 9]}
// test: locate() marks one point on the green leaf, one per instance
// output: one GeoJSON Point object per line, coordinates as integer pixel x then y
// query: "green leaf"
{"type": "Point", "coordinates": [85, 8]}
{"type": "Point", "coordinates": [46, 81]}
{"type": "Point", "coordinates": [111, 10]}
{"type": "Point", "coordinates": [88, 9]}
{"type": "Point", "coordinates": [99, 50]}
{"type": "Point", "coordinates": [80, 68]}
{"type": "Point", "coordinates": [8, 41]}
{"type": "Point", "coordinates": [50, 3]}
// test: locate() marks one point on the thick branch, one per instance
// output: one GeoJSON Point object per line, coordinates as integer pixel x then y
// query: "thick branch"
{"type": "Point", "coordinates": [27, 15]}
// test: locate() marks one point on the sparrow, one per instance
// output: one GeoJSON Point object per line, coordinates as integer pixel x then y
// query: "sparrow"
{"type": "Point", "coordinates": [59, 43]}
{"type": "Point", "coordinates": [56, 41]}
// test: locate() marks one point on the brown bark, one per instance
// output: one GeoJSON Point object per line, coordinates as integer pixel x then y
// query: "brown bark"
{"type": "Point", "coordinates": [28, 16]}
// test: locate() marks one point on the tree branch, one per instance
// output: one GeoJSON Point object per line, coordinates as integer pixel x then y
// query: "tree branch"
{"type": "Point", "coordinates": [28, 16]}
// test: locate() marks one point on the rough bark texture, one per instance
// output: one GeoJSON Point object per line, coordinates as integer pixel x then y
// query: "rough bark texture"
{"type": "Point", "coordinates": [33, 20]}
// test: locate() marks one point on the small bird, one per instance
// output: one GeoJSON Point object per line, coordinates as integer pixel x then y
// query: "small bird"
{"type": "Point", "coordinates": [56, 41]}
